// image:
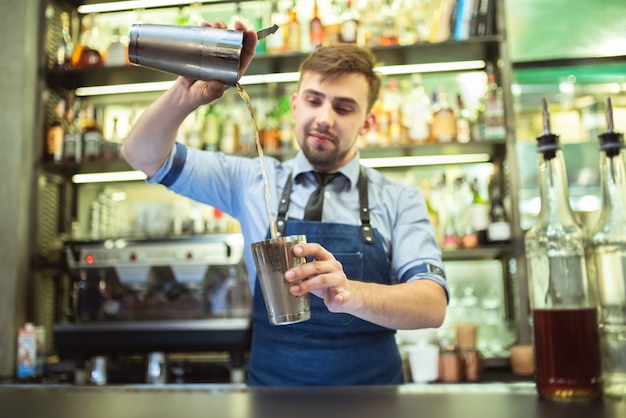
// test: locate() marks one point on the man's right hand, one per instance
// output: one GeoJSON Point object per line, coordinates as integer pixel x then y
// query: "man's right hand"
{"type": "Point", "coordinates": [204, 92]}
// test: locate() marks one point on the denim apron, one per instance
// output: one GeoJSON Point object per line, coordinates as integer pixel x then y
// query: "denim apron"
{"type": "Point", "coordinates": [330, 348]}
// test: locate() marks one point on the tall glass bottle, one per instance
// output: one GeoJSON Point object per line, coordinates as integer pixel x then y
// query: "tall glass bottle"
{"type": "Point", "coordinates": [608, 245]}
{"type": "Point", "coordinates": [566, 337]}
{"type": "Point", "coordinates": [316, 28]}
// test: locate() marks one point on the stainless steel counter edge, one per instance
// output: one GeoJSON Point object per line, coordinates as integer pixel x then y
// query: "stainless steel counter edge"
{"type": "Point", "coordinates": [212, 324]}
{"type": "Point", "coordinates": [497, 400]}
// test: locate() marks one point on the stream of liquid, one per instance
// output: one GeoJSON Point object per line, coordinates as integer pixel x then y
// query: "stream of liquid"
{"type": "Point", "coordinates": [246, 98]}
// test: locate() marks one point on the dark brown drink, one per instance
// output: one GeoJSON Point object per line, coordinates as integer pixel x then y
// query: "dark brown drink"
{"type": "Point", "coordinates": [567, 354]}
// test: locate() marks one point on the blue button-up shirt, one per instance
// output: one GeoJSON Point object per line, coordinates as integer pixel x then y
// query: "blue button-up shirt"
{"type": "Point", "coordinates": [235, 185]}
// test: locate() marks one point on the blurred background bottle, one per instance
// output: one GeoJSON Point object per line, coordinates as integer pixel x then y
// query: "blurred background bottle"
{"type": "Point", "coordinates": [86, 53]}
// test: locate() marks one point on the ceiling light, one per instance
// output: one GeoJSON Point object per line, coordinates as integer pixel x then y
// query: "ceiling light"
{"type": "Point", "coordinates": [420, 160]}
{"type": "Point", "coordinates": [290, 77]}
{"type": "Point", "coordinates": [118, 6]}
{"type": "Point", "coordinates": [108, 177]}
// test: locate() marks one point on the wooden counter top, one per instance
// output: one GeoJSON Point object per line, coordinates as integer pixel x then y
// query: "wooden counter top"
{"type": "Point", "coordinates": [517, 400]}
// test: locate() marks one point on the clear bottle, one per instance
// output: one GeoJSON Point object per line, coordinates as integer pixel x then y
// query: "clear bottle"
{"type": "Point", "coordinates": [117, 51]}
{"type": "Point", "coordinates": [566, 337]}
{"type": "Point", "coordinates": [276, 43]}
{"type": "Point", "coordinates": [608, 245]}
{"type": "Point", "coordinates": [492, 106]}
{"type": "Point", "coordinates": [66, 44]}
{"type": "Point", "coordinates": [416, 114]}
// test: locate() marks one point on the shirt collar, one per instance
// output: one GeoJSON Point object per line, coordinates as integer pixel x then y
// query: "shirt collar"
{"type": "Point", "coordinates": [351, 170]}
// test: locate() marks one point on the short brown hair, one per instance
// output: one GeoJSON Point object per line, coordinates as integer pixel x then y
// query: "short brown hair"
{"type": "Point", "coordinates": [338, 60]}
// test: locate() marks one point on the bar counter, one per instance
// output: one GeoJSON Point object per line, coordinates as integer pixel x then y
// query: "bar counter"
{"type": "Point", "coordinates": [497, 400]}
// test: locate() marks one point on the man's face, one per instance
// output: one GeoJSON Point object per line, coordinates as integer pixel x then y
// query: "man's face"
{"type": "Point", "coordinates": [329, 116]}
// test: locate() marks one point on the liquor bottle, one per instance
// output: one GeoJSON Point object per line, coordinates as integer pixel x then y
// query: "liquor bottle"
{"type": "Point", "coordinates": [416, 114]}
{"type": "Point", "coordinates": [332, 23]}
{"type": "Point", "coordinates": [479, 213]}
{"type": "Point", "coordinates": [261, 46]}
{"type": "Point", "coordinates": [72, 141]}
{"type": "Point", "coordinates": [111, 145]}
{"type": "Point", "coordinates": [463, 125]}
{"type": "Point", "coordinates": [229, 142]}
{"type": "Point", "coordinates": [407, 29]}
{"type": "Point", "coordinates": [492, 105]}
{"type": "Point", "coordinates": [54, 134]}
{"type": "Point", "coordinates": [443, 127]}
{"type": "Point", "coordinates": [292, 31]}
{"type": "Point", "coordinates": [608, 245]}
{"type": "Point", "coordinates": [316, 28]}
{"type": "Point", "coordinates": [66, 44]}
{"type": "Point", "coordinates": [389, 32]}
{"type": "Point", "coordinates": [212, 128]}
{"type": "Point", "coordinates": [499, 229]}
{"type": "Point", "coordinates": [276, 43]}
{"type": "Point", "coordinates": [392, 103]}
{"type": "Point", "coordinates": [92, 134]}
{"type": "Point", "coordinates": [433, 214]}
{"type": "Point", "coordinates": [86, 53]}
{"type": "Point", "coordinates": [117, 51]}
{"type": "Point", "coordinates": [566, 336]}
{"type": "Point", "coordinates": [285, 124]}
{"type": "Point", "coordinates": [349, 26]}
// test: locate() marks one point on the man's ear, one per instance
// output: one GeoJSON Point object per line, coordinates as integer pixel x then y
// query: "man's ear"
{"type": "Point", "coordinates": [369, 124]}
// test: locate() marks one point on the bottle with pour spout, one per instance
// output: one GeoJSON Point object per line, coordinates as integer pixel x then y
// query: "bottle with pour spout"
{"type": "Point", "coordinates": [566, 337]}
{"type": "Point", "coordinates": [608, 247]}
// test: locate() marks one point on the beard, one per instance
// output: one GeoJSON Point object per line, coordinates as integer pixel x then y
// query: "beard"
{"type": "Point", "coordinates": [325, 157]}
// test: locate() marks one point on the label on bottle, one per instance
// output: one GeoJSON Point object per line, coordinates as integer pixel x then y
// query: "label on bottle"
{"type": "Point", "coordinates": [499, 232]}
{"type": "Point", "coordinates": [444, 126]}
{"type": "Point", "coordinates": [91, 144]}
{"type": "Point", "coordinates": [54, 143]}
{"type": "Point", "coordinates": [348, 32]}
{"type": "Point", "coordinates": [494, 120]}
{"type": "Point", "coordinates": [71, 147]}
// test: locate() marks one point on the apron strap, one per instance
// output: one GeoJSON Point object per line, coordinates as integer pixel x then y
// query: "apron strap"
{"type": "Point", "coordinates": [364, 212]}
{"type": "Point", "coordinates": [283, 206]}
{"type": "Point", "coordinates": [366, 228]}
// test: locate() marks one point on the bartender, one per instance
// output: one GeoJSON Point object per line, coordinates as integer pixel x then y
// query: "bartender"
{"type": "Point", "coordinates": [375, 266]}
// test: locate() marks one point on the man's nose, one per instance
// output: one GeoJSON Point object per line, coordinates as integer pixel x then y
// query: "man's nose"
{"type": "Point", "coordinates": [326, 116]}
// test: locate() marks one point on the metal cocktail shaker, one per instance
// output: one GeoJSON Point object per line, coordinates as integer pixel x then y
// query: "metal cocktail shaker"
{"type": "Point", "coordinates": [201, 53]}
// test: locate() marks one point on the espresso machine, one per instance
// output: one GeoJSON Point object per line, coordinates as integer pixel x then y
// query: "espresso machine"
{"type": "Point", "coordinates": [151, 300]}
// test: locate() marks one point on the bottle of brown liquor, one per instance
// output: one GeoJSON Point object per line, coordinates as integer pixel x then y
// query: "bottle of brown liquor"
{"type": "Point", "coordinates": [92, 134]}
{"type": "Point", "coordinates": [55, 132]}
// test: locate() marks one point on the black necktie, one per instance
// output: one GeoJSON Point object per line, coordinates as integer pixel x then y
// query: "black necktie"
{"type": "Point", "coordinates": [313, 209]}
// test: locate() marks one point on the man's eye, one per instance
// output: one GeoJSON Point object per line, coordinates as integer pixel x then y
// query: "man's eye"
{"type": "Point", "coordinates": [314, 101]}
{"type": "Point", "coordinates": [343, 110]}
